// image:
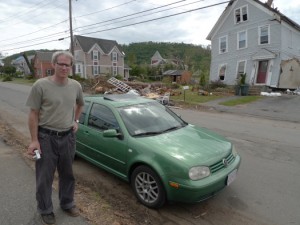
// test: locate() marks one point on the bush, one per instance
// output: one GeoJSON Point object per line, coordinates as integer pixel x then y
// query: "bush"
{"type": "Point", "coordinates": [217, 84]}
{"type": "Point", "coordinates": [7, 78]}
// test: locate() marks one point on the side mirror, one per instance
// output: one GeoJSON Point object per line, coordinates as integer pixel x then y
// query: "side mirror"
{"type": "Point", "coordinates": [111, 133]}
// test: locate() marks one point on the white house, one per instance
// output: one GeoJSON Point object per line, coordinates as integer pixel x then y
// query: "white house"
{"type": "Point", "coordinates": [255, 38]}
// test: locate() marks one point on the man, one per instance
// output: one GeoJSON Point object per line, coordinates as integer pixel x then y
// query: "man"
{"type": "Point", "coordinates": [55, 105]}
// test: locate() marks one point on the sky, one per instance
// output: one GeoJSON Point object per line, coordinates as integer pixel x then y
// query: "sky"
{"type": "Point", "coordinates": [44, 24]}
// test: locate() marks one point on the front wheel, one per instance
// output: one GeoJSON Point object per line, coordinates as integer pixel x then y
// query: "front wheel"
{"type": "Point", "coordinates": [148, 187]}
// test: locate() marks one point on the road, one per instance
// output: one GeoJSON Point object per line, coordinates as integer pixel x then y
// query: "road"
{"type": "Point", "coordinates": [266, 191]}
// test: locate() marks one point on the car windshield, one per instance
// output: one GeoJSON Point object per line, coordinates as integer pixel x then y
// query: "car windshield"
{"type": "Point", "coordinates": [149, 119]}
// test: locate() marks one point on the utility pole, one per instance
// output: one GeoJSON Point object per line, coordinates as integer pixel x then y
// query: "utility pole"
{"type": "Point", "coordinates": [71, 35]}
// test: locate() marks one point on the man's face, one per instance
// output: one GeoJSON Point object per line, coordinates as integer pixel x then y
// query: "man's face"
{"type": "Point", "coordinates": [62, 66]}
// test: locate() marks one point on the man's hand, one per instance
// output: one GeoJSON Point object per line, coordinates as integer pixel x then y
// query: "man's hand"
{"type": "Point", "coordinates": [75, 127]}
{"type": "Point", "coordinates": [33, 146]}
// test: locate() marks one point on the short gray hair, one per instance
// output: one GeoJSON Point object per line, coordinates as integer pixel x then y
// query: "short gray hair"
{"type": "Point", "coordinates": [59, 53]}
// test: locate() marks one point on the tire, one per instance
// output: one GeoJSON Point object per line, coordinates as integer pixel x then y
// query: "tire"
{"type": "Point", "coordinates": [148, 187]}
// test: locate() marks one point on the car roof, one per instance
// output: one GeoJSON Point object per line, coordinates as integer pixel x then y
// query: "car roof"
{"type": "Point", "coordinates": [118, 100]}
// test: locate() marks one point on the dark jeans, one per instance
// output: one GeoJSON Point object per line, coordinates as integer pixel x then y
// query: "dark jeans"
{"type": "Point", "coordinates": [57, 153]}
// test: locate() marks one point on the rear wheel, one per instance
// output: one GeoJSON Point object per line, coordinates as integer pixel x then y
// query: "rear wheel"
{"type": "Point", "coordinates": [148, 187]}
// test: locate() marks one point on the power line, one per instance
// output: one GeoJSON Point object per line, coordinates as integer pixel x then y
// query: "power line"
{"type": "Point", "coordinates": [106, 9]}
{"type": "Point", "coordinates": [123, 26]}
{"type": "Point", "coordinates": [16, 16]}
{"type": "Point", "coordinates": [64, 20]}
{"type": "Point", "coordinates": [132, 14]}
{"type": "Point", "coordinates": [159, 18]}
{"type": "Point", "coordinates": [137, 14]}
{"type": "Point", "coordinates": [87, 25]}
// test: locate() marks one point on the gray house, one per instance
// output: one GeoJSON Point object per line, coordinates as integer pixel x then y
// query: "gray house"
{"type": "Point", "coordinates": [253, 37]}
{"type": "Point", "coordinates": [94, 56]}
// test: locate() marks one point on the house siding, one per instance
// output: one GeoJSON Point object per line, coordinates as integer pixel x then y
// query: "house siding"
{"type": "Point", "coordinates": [284, 42]}
{"type": "Point", "coordinates": [105, 64]}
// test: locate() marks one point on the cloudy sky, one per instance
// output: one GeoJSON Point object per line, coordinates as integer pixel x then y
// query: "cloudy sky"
{"type": "Point", "coordinates": [44, 24]}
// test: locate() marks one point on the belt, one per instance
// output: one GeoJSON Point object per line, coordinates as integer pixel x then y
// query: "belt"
{"type": "Point", "coordinates": [54, 132]}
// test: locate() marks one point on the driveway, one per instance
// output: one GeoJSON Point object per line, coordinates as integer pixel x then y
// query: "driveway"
{"type": "Point", "coordinates": [285, 107]}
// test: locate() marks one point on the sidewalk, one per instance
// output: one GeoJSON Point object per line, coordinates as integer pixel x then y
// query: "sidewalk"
{"type": "Point", "coordinates": [17, 193]}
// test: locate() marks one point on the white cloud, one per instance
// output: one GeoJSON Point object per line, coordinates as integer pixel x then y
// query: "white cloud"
{"type": "Point", "coordinates": [28, 23]}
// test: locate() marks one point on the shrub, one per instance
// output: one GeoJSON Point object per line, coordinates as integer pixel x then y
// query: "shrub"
{"type": "Point", "coordinates": [217, 84]}
{"type": "Point", "coordinates": [7, 78]}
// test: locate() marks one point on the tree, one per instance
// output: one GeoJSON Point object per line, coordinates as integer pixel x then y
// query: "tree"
{"type": "Point", "coordinates": [9, 70]}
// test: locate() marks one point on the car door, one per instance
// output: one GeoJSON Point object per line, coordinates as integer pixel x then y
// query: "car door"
{"type": "Point", "coordinates": [80, 137]}
{"type": "Point", "coordinates": [107, 152]}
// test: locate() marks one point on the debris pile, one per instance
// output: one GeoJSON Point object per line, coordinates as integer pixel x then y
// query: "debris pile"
{"type": "Point", "coordinates": [102, 85]}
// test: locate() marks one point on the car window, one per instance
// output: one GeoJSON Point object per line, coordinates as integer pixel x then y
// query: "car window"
{"type": "Point", "coordinates": [84, 111]}
{"type": "Point", "coordinates": [102, 118]}
{"type": "Point", "coordinates": [149, 118]}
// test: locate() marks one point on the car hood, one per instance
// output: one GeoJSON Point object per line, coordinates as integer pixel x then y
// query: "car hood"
{"type": "Point", "coordinates": [191, 145]}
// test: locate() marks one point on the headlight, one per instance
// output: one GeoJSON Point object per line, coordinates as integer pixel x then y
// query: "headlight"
{"type": "Point", "coordinates": [199, 172]}
{"type": "Point", "coordinates": [234, 152]}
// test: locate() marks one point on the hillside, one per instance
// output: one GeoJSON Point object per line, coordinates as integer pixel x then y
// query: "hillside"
{"type": "Point", "coordinates": [195, 56]}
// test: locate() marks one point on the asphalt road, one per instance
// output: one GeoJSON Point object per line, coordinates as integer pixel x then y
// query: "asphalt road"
{"type": "Point", "coordinates": [266, 191]}
{"type": "Point", "coordinates": [17, 195]}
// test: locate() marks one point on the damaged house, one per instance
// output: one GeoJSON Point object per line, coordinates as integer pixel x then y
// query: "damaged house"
{"type": "Point", "coordinates": [254, 38]}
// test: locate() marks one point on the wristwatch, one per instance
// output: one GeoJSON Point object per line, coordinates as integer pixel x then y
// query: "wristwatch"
{"type": "Point", "coordinates": [77, 121]}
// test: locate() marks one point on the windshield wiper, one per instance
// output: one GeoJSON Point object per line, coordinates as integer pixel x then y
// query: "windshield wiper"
{"type": "Point", "coordinates": [147, 133]}
{"type": "Point", "coordinates": [171, 128]}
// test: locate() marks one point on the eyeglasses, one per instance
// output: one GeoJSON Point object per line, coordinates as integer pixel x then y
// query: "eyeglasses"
{"type": "Point", "coordinates": [63, 64]}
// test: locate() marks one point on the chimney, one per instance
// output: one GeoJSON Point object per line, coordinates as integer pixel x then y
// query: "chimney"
{"type": "Point", "coordinates": [269, 3]}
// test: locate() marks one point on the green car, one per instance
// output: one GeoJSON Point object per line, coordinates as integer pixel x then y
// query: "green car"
{"type": "Point", "coordinates": [146, 144]}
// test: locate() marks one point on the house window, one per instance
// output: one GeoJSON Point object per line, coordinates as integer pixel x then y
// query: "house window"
{"type": "Point", "coordinates": [78, 68]}
{"type": "Point", "coordinates": [241, 68]}
{"type": "Point", "coordinates": [223, 44]}
{"type": "Point", "coordinates": [242, 39]}
{"type": "Point", "coordinates": [49, 72]}
{"type": "Point", "coordinates": [95, 69]}
{"type": "Point", "coordinates": [115, 69]}
{"type": "Point", "coordinates": [264, 35]}
{"type": "Point", "coordinates": [114, 57]}
{"type": "Point", "coordinates": [241, 14]}
{"type": "Point", "coordinates": [222, 71]}
{"type": "Point", "coordinates": [96, 55]}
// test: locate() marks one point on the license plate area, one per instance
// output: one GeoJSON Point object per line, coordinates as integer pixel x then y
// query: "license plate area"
{"type": "Point", "coordinates": [231, 177]}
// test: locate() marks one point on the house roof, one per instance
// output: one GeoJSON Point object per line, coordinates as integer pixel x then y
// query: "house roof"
{"type": "Point", "coordinates": [44, 56]}
{"type": "Point", "coordinates": [87, 43]}
{"type": "Point", "coordinates": [264, 53]}
{"type": "Point", "coordinates": [278, 15]}
{"type": "Point", "coordinates": [173, 72]}
{"type": "Point", "coordinates": [156, 56]}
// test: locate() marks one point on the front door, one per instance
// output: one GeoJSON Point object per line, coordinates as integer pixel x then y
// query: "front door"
{"type": "Point", "coordinates": [262, 72]}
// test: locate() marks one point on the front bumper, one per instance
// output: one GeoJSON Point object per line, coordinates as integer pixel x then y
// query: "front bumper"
{"type": "Point", "coordinates": [195, 191]}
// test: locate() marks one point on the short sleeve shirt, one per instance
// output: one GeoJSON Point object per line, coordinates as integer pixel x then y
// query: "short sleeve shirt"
{"type": "Point", "coordinates": [55, 103]}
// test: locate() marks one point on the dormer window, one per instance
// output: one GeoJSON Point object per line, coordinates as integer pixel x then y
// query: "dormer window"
{"type": "Point", "coordinates": [223, 44]}
{"type": "Point", "coordinates": [114, 57]}
{"type": "Point", "coordinates": [95, 55]}
{"type": "Point", "coordinates": [241, 14]}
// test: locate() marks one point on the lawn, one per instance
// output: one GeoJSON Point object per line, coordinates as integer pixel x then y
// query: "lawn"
{"type": "Point", "coordinates": [241, 100]}
{"type": "Point", "coordinates": [192, 97]}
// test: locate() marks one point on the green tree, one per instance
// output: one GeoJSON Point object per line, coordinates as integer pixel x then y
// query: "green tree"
{"type": "Point", "coordinates": [9, 70]}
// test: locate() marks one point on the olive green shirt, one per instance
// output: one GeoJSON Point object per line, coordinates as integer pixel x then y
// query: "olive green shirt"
{"type": "Point", "coordinates": [56, 103]}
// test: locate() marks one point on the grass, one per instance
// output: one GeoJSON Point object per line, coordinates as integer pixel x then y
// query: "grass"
{"type": "Point", "coordinates": [193, 97]}
{"type": "Point", "coordinates": [23, 81]}
{"type": "Point", "coordinates": [188, 97]}
{"type": "Point", "coordinates": [17, 80]}
{"type": "Point", "coordinates": [241, 100]}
